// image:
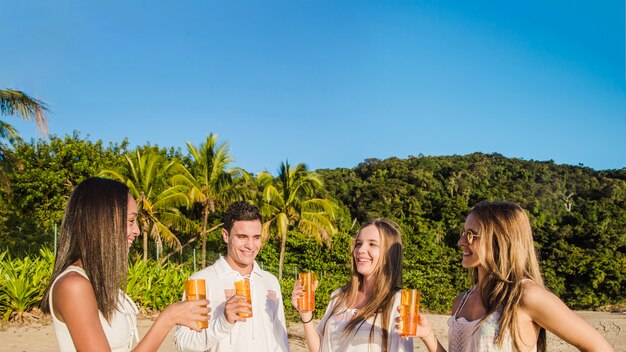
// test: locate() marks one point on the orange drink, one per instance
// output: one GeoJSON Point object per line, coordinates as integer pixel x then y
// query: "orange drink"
{"type": "Point", "coordinates": [194, 290]}
{"type": "Point", "coordinates": [409, 311]}
{"type": "Point", "coordinates": [242, 287]}
{"type": "Point", "coordinates": [306, 303]}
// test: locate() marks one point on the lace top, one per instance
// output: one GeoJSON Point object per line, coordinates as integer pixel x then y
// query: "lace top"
{"type": "Point", "coordinates": [333, 339]}
{"type": "Point", "coordinates": [468, 336]}
{"type": "Point", "coordinates": [120, 333]}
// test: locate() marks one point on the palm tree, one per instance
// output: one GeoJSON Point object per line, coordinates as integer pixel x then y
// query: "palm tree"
{"type": "Point", "coordinates": [148, 175]}
{"type": "Point", "coordinates": [288, 203]}
{"type": "Point", "coordinates": [208, 182]}
{"type": "Point", "coordinates": [16, 103]}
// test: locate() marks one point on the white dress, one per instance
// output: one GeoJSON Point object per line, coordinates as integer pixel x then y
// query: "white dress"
{"type": "Point", "coordinates": [333, 340]}
{"type": "Point", "coordinates": [120, 333]}
{"type": "Point", "coordinates": [464, 337]}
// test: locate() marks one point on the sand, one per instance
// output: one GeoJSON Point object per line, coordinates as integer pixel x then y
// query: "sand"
{"type": "Point", "coordinates": [36, 337]}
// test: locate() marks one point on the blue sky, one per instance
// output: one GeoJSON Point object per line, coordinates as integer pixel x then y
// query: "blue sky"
{"type": "Point", "coordinates": [329, 83]}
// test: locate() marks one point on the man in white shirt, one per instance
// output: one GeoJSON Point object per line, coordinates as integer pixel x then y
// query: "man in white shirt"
{"type": "Point", "coordinates": [227, 331]}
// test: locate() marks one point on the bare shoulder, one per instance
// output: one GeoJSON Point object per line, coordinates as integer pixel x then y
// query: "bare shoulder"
{"type": "Point", "coordinates": [73, 292]}
{"type": "Point", "coordinates": [545, 309]}
{"type": "Point", "coordinates": [457, 302]}
{"type": "Point", "coordinates": [72, 284]}
{"type": "Point", "coordinates": [75, 305]}
{"type": "Point", "coordinates": [534, 295]}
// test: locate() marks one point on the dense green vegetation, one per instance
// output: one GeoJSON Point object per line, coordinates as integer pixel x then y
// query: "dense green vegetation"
{"type": "Point", "coordinates": [578, 216]}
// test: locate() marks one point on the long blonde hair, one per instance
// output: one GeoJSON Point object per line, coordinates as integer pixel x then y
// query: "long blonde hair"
{"type": "Point", "coordinates": [509, 257]}
{"type": "Point", "coordinates": [94, 231]}
{"type": "Point", "coordinates": [388, 280]}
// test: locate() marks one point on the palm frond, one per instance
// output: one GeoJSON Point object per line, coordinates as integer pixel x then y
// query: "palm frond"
{"type": "Point", "coordinates": [17, 103]}
{"type": "Point", "coordinates": [8, 132]}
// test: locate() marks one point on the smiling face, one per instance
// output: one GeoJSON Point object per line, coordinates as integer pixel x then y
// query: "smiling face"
{"type": "Point", "coordinates": [366, 251]}
{"type": "Point", "coordinates": [132, 226]}
{"type": "Point", "coordinates": [243, 242]}
{"type": "Point", "coordinates": [471, 252]}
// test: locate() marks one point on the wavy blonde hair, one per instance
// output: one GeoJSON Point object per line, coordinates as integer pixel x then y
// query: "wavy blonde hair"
{"type": "Point", "coordinates": [508, 258]}
{"type": "Point", "coordinates": [387, 281]}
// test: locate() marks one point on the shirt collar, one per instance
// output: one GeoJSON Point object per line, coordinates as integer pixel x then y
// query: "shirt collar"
{"type": "Point", "coordinates": [224, 270]}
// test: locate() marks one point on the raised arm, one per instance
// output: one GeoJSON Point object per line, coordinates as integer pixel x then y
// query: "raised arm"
{"type": "Point", "coordinates": [310, 329]}
{"type": "Point", "coordinates": [220, 326]}
{"type": "Point", "coordinates": [549, 312]}
{"type": "Point", "coordinates": [426, 332]}
{"type": "Point", "coordinates": [397, 342]}
{"type": "Point", "coordinates": [74, 303]}
{"type": "Point", "coordinates": [179, 313]}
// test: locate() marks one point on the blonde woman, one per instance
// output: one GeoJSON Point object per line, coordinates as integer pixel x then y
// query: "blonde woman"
{"type": "Point", "coordinates": [361, 315]}
{"type": "Point", "coordinates": [89, 310]}
{"type": "Point", "coordinates": [508, 309]}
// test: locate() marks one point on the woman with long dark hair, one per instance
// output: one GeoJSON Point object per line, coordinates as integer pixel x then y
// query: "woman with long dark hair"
{"type": "Point", "coordinates": [89, 310]}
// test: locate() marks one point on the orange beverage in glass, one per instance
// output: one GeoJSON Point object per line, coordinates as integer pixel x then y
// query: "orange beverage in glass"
{"type": "Point", "coordinates": [194, 290]}
{"type": "Point", "coordinates": [409, 311]}
{"type": "Point", "coordinates": [306, 303]}
{"type": "Point", "coordinates": [242, 287]}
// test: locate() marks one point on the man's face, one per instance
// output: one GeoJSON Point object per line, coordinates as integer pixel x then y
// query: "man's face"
{"type": "Point", "coordinates": [243, 242]}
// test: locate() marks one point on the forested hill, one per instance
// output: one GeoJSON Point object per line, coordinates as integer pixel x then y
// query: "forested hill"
{"type": "Point", "coordinates": [578, 216]}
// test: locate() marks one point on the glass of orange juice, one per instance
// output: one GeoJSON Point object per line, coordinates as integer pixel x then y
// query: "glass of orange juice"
{"type": "Point", "coordinates": [306, 303]}
{"type": "Point", "coordinates": [242, 287]}
{"type": "Point", "coordinates": [409, 311]}
{"type": "Point", "coordinates": [194, 290]}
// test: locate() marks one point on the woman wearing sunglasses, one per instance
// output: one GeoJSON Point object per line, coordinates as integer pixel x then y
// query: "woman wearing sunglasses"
{"type": "Point", "coordinates": [508, 309]}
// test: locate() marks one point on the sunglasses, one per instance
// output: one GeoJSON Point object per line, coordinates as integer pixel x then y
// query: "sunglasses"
{"type": "Point", "coordinates": [469, 235]}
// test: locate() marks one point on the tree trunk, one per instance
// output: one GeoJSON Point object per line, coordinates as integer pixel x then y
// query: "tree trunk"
{"type": "Point", "coordinates": [283, 243]}
{"type": "Point", "coordinates": [144, 224]}
{"type": "Point", "coordinates": [145, 241]}
{"type": "Point", "coordinates": [205, 219]}
{"type": "Point", "coordinates": [188, 242]}
{"type": "Point", "coordinates": [165, 258]}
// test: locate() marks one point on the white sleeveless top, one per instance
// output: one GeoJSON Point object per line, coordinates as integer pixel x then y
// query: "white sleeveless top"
{"type": "Point", "coordinates": [331, 328]}
{"type": "Point", "coordinates": [120, 333]}
{"type": "Point", "coordinates": [463, 335]}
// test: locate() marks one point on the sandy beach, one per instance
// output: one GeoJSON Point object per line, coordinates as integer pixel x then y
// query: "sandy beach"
{"type": "Point", "coordinates": [40, 337]}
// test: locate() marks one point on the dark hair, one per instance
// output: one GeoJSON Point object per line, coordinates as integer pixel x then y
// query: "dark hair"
{"type": "Point", "coordinates": [240, 211]}
{"type": "Point", "coordinates": [94, 231]}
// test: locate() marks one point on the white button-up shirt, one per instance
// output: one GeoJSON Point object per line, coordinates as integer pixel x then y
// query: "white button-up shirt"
{"type": "Point", "coordinates": [265, 331]}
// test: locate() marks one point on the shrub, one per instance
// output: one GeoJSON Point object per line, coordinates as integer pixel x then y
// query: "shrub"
{"type": "Point", "coordinates": [22, 283]}
{"type": "Point", "coordinates": [153, 286]}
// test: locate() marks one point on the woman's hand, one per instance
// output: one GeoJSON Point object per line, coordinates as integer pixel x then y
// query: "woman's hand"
{"type": "Point", "coordinates": [187, 313]}
{"type": "Point", "coordinates": [424, 329]}
{"type": "Point", "coordinates": [298, 293]}
{"type": "Point", "coordinates": [311, 335]}
{"type": "Point", "coordinates": [425, 332]}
